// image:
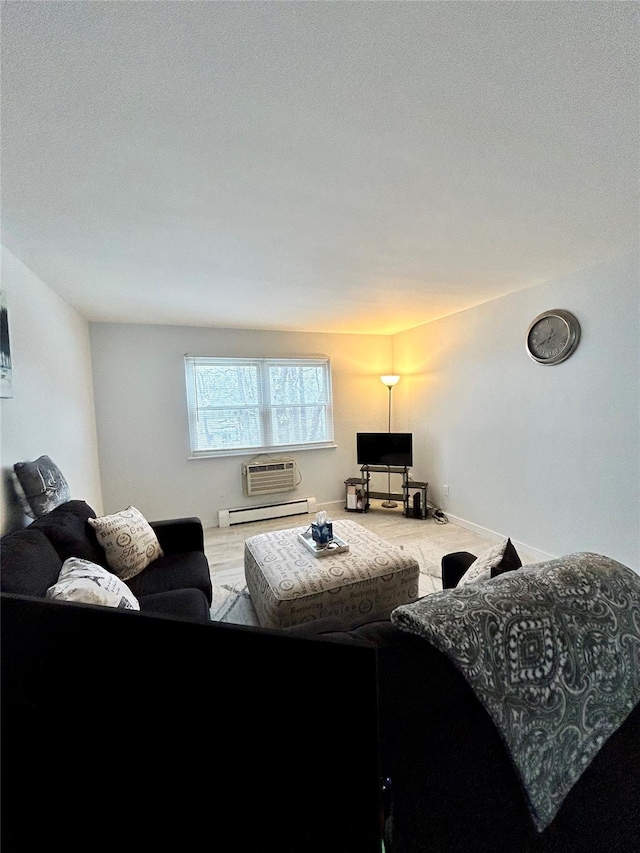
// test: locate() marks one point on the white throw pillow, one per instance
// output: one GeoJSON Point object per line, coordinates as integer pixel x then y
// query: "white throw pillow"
{"type": "Point", "coordinates": [129, 541]}
{"type": "Point", "coordinates": [480, 569]}
{"type": "Point", "coordinates": [81, 580]}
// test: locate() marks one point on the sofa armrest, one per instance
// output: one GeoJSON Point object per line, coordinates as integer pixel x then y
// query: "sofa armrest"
{"type": "Point", "coordinates": [454, 566]}
{"type": "Point", "coordinates": [177, 535]}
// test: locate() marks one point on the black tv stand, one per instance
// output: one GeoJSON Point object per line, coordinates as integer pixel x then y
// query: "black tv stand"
{"type": "Point", "coordinates": [361, 486]}
{"type": "Point", "coordinates": [367, 470]}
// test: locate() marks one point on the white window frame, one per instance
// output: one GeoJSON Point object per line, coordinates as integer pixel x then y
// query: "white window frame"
{"type": "Point", "coordinates": [264, 405]}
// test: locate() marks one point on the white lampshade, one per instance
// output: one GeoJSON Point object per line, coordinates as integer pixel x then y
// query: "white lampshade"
{"type": "Point", "coordinates": [390, 381]}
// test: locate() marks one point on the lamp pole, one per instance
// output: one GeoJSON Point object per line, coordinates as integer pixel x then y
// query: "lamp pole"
{"type": "Point", "coordinates": [389, 381]}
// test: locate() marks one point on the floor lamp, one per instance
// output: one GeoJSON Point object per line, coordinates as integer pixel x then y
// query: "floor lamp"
{"type": "Point", "coordinates": [389, 381]}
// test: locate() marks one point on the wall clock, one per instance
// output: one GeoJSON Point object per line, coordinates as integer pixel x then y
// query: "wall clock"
{"type": "Point", "coordinates": [553, 336]}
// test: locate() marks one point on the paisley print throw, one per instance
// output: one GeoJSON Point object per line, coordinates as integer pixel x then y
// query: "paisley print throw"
{"type": "Point", "coordinates": [553, 653]}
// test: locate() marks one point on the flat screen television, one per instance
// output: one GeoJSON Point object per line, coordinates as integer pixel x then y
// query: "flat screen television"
{"type": "Point", "coordinates": [385, 448]}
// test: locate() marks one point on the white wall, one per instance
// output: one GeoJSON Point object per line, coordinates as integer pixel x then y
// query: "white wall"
{"type": "Point", "coordinates": [547, 455]}
{"type": "Point", "coordinates": [51, 412]}
{"type": "Point", "coordinates": [141, 415]}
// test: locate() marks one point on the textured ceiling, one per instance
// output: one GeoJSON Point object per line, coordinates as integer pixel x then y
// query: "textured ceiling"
{"type": "Point", "coordinates": [328, 166]}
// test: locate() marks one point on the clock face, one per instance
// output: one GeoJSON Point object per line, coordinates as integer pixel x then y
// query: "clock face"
{"type": "Point", "coordinates": [553, 336]}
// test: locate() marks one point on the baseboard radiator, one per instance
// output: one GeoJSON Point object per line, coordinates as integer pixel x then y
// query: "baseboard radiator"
{"type": "Point", "coordinates": [227, 517]}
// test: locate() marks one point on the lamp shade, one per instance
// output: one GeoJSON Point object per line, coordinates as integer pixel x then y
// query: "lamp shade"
{"type": "Point", "coordinates": [390, 381]}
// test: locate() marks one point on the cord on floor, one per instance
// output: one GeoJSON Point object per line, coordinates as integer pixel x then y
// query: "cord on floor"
{"type": "Point", "coordinates": [438, 516]}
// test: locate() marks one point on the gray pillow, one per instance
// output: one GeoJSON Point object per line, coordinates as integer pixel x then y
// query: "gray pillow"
{"type": "Point", "coordinates": [495, 561]}
{"type": "Point", "coordinates": [43, 485]}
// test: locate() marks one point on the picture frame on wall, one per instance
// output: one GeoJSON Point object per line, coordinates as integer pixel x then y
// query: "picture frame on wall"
{"type": "Point", "coordinates": [6, 373]}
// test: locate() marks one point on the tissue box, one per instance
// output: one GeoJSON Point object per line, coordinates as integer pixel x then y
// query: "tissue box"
{"type": "Point", "coordinates": [322, 533]}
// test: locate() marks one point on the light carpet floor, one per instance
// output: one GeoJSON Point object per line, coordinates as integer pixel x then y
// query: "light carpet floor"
{"type": "Point", "coordinates": [232, 602]}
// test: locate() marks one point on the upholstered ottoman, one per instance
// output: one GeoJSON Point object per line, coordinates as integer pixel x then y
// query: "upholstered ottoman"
{"type": "Point", "coordinates": [290, 585]}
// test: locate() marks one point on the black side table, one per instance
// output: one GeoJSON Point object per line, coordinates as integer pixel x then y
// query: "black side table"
{"type": "Point", "coordinates": [357, 494]}
{"type": "Point", "coordinates": [414, 498]}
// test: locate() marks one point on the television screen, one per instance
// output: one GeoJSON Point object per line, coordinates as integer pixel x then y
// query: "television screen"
{"type": "Point", "coordinates": [385, 448]}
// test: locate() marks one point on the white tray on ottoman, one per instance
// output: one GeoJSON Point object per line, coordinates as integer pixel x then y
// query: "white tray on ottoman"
{"type": "Point", "coordinates": [336, 546]}
{"type": "Point", "coordinates": [290, 585]}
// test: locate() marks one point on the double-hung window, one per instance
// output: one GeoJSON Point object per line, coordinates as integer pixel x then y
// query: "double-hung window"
{"type": "Point", "coordinates": [244, 405]}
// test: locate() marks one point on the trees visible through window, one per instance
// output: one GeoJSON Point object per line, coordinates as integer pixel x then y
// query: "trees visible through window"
{"type": "Point", "coordinates": [249, 404]}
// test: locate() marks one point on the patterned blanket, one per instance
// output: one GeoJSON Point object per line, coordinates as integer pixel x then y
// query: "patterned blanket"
{"type": "Point", "coordinates": [553, 652]}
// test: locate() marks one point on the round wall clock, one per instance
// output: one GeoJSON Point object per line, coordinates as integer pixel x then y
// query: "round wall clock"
{"type": "Point", "coordinates": [553, 336]}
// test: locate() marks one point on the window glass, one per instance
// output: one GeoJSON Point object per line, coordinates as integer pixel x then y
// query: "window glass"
{"type": "Point", "coordinates": [238, 405]}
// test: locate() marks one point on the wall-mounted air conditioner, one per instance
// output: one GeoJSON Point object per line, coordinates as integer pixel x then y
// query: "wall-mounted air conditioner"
{"type": "Point", "coordinates": [267, 478]}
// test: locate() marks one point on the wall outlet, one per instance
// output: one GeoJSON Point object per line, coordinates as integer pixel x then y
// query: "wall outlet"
{"type": "Point", "coordinates": [445, 490]}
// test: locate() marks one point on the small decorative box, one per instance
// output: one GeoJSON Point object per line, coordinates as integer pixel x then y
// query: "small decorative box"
{"type": "Point", "coordinates": [322, 533]}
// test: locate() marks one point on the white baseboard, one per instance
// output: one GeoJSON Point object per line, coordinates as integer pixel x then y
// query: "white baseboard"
{"type": "Point", "coordinates": [242, 514]}
{"type": "Point", "coordinates": [526, 552]}
{"type": "Point", "coordinates": [331, 503]}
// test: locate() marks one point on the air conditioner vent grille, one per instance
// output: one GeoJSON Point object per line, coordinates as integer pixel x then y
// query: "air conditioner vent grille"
{"type": "Point", "coordinates": [266, 478]}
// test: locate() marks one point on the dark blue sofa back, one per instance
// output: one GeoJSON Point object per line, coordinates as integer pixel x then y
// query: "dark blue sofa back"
{"type": "Point", "coordinates": [127, 731]}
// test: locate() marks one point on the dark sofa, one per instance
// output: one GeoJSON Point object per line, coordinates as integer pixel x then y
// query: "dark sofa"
{"type": "Point", "coordinates": [452, 783]}
{"type": "Point", "coordinates": [177, 584]}
{"type": "Point", "coordinates": [170, 734]}
{"type": "Point", "coordinates": [136, 731]}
